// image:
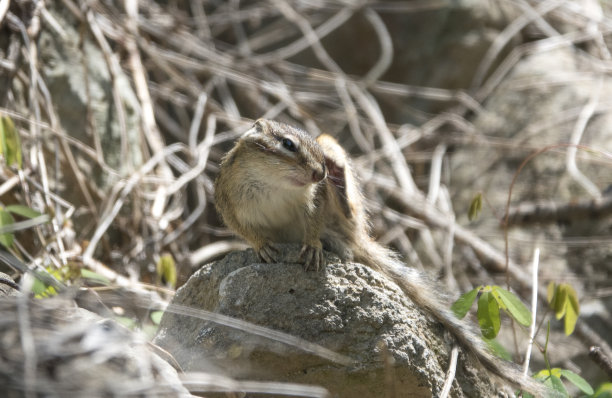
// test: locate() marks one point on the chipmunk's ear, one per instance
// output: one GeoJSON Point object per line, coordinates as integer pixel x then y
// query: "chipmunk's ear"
{"type": "Point", "coordinates": [257, 131]}
{"type": "Point", "coordinates": [335, 162]}
{"type": "Point", "coordinates": [258, 127]}
{"type": "Point", "coordinates": [261, 124]}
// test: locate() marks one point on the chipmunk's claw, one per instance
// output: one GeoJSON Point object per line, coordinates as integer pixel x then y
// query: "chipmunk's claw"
{"type": "Point", "coordinates": [312, 258]}
{"type": "Point", "coordinates": [268, 253]}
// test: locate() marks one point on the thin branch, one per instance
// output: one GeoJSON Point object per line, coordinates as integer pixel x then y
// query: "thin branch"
{"type": "Point", "coordinates": [450, 373]}
{"type": "Point", "coordinates": [528, 213]}
{"type": "Point", "coordinates": [604, 362]}
{"type": "Point", "coordinates": [504, 37]}
{"type": "Point", "coordinates": [107, 219]}
{"type": "Point", "coordinates": [581, 123]}
{"type": "Point", "coordinates": [534, 308]}
{"type": "Point", "coordinates": [4, 6]}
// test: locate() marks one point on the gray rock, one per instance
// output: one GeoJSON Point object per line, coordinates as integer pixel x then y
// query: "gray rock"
{"type": "Point", "coordinates": [347, 308]}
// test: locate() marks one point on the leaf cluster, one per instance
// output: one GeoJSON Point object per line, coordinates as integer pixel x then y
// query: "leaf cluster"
{"type": "Point", "coordinates": [492, 299]}
{"type": "Point", "coordinates": [552, 379]}
{"type": "Point", "coordinates": [564, 302]}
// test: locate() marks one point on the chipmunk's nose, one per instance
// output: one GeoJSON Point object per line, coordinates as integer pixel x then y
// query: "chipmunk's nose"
{"type": "Point", "coordinates": [320, 174]}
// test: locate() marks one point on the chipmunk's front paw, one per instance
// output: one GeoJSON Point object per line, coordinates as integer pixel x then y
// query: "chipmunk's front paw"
{"type": "Point", "coordinates": [312, 257]}
{"type": "Point", "coordinates": [268, 253]}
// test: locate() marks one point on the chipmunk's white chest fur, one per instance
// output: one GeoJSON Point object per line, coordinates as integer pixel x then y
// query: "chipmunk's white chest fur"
{"type": "Point", "coordinates": [280, 212]}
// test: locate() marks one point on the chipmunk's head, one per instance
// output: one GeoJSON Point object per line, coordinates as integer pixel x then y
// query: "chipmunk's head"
{"type": "Point", "coordinates": [288, 151]}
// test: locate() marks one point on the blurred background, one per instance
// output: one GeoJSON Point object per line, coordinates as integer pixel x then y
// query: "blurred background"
{"type": "Point", "coordinates": [115, 116]}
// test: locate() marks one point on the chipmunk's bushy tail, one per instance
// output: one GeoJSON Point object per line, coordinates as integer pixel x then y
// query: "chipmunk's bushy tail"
{"type": "Point", "coordinates": [426, 294]}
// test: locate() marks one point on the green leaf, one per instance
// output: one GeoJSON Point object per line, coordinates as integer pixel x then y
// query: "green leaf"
{"type": "Point", "coordinates": [571, 318]}
{"type": "Point", "coordinates": [550, 293]}
{"type": "Point", "coordinates": [545, 373]}
{"type": "Point", "coordinates": [475, 207]}
{"type": "Point", "coordinates": [572, 310]}
{"type": "Point", "coordinates": [603, 391]}
{"type": "Point", "coordinates": [94, 276]}
{"type": "Point", "coordinates": [23, 211]}
{"type": "Point", "coordinates": [556, 384]}
{"type": "Point", "coordinates": [38, 287]}
{"type": "Point", "coordinates": [6, 219]}
{"type": "Point", "coordinates": [10, 145]}
{"type": "Point", "coordinates": [578, 381]}
{"type": "Point", "coordinates": [513, 305]}
{"type": "Point", "coordinates": [488, 315]}
{"type": "Point", "coordinates": [126, 322]}
{"type": "Point", "coordinates": [149, 330]}
{"type": "Point", "coordinates": [552, 379]}
{"type": "Point", "coordinates": [564, 301]}
{"type": "Point", "coordinates": [166, 269]}
{"type": "Point", "coordinates": [498, 349]}
{"type": "Point", "coordinates": [561, 301]}
{"type": "Point", "coordinates": [156, 316]}
{"type": "Point", "coordinates": [461, 307]}
{"type": "Point", "coordinates": [41, 290]}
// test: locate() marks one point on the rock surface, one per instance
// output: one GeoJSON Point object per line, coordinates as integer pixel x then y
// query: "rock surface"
{"type": "Point", "coordinates": [347, 308]}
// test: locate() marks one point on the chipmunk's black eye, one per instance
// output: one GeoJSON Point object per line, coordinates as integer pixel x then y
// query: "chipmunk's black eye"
{"type": "Point", "coordinates": [289, 145]}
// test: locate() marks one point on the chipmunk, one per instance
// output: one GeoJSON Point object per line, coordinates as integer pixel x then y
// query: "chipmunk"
{"type": "Point", "coordinates": [279, 185]}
